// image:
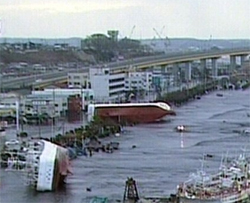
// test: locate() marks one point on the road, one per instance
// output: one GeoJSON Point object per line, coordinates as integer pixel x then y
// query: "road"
{"type": "Point", "coordinates": [30, 80]}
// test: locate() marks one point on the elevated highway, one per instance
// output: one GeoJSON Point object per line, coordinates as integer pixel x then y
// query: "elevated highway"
{"type": "Point", "coordinates": [180, 57]}
{"type": "Point", "coordinates": [121, 66]}
{"type": "Point", "coordinates": [30, 80]}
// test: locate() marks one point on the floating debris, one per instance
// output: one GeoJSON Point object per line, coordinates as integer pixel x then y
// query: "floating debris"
{"type": "Point", "coordinates": [219, 95]}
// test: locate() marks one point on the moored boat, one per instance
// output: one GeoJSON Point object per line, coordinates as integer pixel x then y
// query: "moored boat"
{"type": "Point", "coordinates": [130, 112]}
{"type": "Point", "coordinates": [230, 184]}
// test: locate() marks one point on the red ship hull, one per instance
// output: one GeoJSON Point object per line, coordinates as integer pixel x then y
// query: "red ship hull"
{"type": "Point", "coordinates": [133, 114]}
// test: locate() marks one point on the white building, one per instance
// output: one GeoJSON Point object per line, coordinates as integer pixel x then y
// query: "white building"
{"type": "Point", "coordinates": [138, 81]}
{"type": "Point", "coordinates": [55, 101]}
{"type": "Point", "coordinates": [78, 80]}
{"type": "Point", "coordinates": [8, 104]}
{"type": "Point", "coordinates": [8, 100]}
{"type": "Point", "coordinates": [108, 87]}
{"type": "Point", "coordinates": [54, 107]}
{"type": "Point", "coordinates": [163, 77]}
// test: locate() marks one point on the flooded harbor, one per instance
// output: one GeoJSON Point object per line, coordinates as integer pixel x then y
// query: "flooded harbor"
{"type": "Point", "coordinates": [161, 159]}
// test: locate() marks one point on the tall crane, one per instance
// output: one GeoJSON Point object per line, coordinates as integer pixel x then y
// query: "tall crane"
{"type": "Point", "coordinates": [132, 31]}
{"type": "Point", "coordinates": [130, 34]}
{"type": "Point", "coordinates": [166, 39]}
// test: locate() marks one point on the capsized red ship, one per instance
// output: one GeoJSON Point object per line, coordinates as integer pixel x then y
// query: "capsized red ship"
{"type": "Point", "coordinates": [130, 112]}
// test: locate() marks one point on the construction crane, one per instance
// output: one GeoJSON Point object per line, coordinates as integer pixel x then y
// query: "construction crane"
{"type": "Point", "coordinates": [162, 30]}
{"type": "Point", "coordinates": [166, 40]}
{"type": "Point", "coordinates": [132, 31]}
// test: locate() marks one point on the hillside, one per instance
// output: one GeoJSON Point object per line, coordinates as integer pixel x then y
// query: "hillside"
{"type": "Point", "coordinates": [45, 57]}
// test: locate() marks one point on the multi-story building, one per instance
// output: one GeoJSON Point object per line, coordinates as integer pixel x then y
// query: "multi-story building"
{"type": "Point", "coordinates": [108, 87]}
{"type": "Point", "coordinates": [139, 81]}
{"type": "Point", "coordinates": [55, 101]}
{"type": "Point", "coordinates": [40, 104]}
{"type": "Point", "coordinates": [162, 78]}
{"type": "Point", "coordinates": [8, 104]}
{"type": "Point", "coordinates": [78, 80]}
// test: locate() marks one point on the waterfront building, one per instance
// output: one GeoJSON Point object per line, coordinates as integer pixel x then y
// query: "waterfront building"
{"type": "Point", "coordinates": [78, 80]}
{"type": "Point", "coordinates": [45, 104]}
{"type": "Point", "coordinates": [8, 100]}
{"type": "Point", "coordinates": [9, 103]}
{"type": "Point", "coordinates": [107, 86]}
{"type": "Point", "coordinates": [55, 101]}
{"type": "Point", "coordinates": [162, 78]}
{"type": "Point", "coordinates": [111, 87]}
{"type": "Point", "coordinates": [138, 81]}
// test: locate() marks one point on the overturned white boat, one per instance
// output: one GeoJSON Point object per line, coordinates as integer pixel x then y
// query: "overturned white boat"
{"type": "Point", "coordinates": [46, 164]}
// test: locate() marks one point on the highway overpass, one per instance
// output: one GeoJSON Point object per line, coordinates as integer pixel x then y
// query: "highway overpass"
{"type": "Point", "coordinates": [138, 63]}
{"type": "Point", "coordinates": [36, 80]}
{"type": "Point", "coordinates": [180, 57]}
{"type": "Point", "coordinates": [29, 80]}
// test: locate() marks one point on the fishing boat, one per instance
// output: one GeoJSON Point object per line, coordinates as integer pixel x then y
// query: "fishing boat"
{"type": "Point", "coordinates": [230, 184]}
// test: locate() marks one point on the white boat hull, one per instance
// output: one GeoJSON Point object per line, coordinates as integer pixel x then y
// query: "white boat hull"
{"type": "Point", "coordinates": [49, 168]}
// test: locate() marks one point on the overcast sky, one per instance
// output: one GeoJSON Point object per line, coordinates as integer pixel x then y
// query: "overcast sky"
{"type": "Point", "coordinates": [80, 18]}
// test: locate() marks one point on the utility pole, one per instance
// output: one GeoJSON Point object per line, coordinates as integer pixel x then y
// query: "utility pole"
{"type": "Point", "coordinates": [1, 80]}
{"type": "Point", "coordinates": [81, 116]}
{"type": "Point", "coordinates": [53, 114]}
{"type": "Point", "coordinates": [23, 106]}
{"type": "Point", "coordinates": [39, 124]}
{"type": "Point", "coordinates": [17, 117]}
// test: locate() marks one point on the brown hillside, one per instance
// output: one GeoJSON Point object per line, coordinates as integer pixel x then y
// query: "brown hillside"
{"type": "Point", "coordinates": [45, 57]}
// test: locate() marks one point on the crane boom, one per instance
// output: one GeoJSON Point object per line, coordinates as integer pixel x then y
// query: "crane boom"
{"type": "Point", "coordinates": [132, 30]}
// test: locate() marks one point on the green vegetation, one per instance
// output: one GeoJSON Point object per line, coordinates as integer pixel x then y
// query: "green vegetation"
{"type": "Point", "coordinates": [107, 48]}
{"type": "Point", "coordinates": [245, 86]}
{"type": "Point", "coordinates": [96, 128]}
{"type": "Point", "coordinates": [185, 95]}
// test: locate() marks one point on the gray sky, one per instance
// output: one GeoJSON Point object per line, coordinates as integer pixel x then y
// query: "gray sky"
{"type": "Point", "coordinates": [80, 18]}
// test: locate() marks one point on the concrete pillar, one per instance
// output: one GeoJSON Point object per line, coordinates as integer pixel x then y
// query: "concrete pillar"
{"type": "Point", "coordinates": [232, 64]}
{"type": "Point", "coordinates": [203, 65]}
{"type": "Point", "coordinates": [214, 67]}
{"type": "Point", "coordinates": [188, 71]}
{"type": "Point", "coordinates": [163, 69]}
{"type": "Point", "coordinates": [242, 59]}
{"type": "Point", "coordinates": [176, 74]}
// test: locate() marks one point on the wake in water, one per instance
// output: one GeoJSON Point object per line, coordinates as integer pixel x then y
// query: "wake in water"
{"type": "Point", "coordinates": [228, 113]}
